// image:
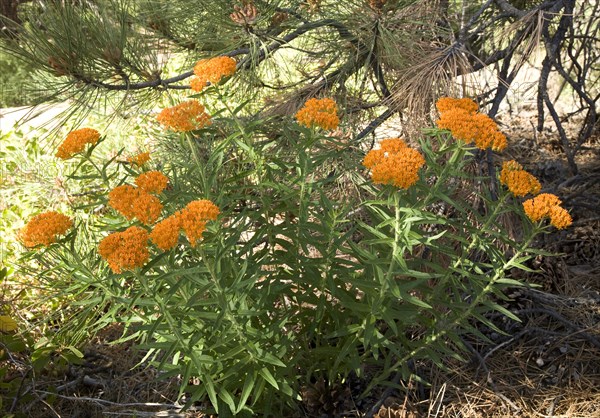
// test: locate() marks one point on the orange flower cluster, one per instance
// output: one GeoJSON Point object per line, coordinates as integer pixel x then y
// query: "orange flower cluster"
{"type": "Point", "coordinates": [394, 163]}
{"type": "Point", "coordinates": [518, 181]}
{"type": "Point", "coordinates": [319, 112]}
{"type": "Point", "coordinates": [466, 124]}
{"type": "Point", "coordinates": [133, 202]}
{"type": "Point", "coordinates": [44, 229]}
{"type": "Point", "coordinates": [547, 205]}
{"type": "Point", "coordinates": [76, 141]}
{"type": "Point", "coordinates": [139, 159]}
{"type": "Point", "coordinates": [212, 70]}
{"type": "Point", "coordinates": [184, 117]}
{"type": "Point", "coordinates": [125, 250]}
{"type": "Point", "coordinates": [192, 219]}
{"type": "Point", "coordinates": [544, 205]}
{"type": "Point", "coordinates": [129, 249]}
{"type": "Point", "coordinates": [559, 217]}
{"type": "Point", "coordinates": [445, 104]}
{"type": "Point", "coordinates": [152, 182]}
{"type": "Point", "coordinates": [165, 234]}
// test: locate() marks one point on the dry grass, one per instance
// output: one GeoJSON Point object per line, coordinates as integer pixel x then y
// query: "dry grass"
{"type": "Point", "coordinates": [433, 75]}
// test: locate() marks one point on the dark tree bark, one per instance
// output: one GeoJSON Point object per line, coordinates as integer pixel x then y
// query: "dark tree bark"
{"type": "Point", "coordinates": [9, 16]}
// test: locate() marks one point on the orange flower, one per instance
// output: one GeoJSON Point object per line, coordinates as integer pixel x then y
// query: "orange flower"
{"type": "Point", "coordinates": [125, 250]}
{"type": "Point", "coordinates": [147, 208]}
{"type": "Point", "coordinates": [392, 145]}
{"type": "Point", "coordinates": [139, 159]}
{"type": "Point", "coordinates": [132, 202]}
{"type": "Point", "coordinates": [194, 217]}
{"type": "Point", "coordinates": [165, 234]}
{"type": "Point", "coordinates": [197, 84]}
{"type": "Point", "coordinates": [386, 147]}
{"type": "Point", "coordinates": [472, 127]}
{"type": "Point", "coordinates": [560, 218]}
{"type": "Point", "coordinates": [212, 70]}
{"type": "Point", "coordinates": [319, 112]}
{"type": "Point", "coordinates": [446, 103]}
{"type": "Point", "coordinates": [152, 182]}
{"type": "Point", "coordinates": [459, 122]}
{"type": "Point", "coordinates": [539, 207]}
{"type": "Point", "coordinates": [122, 199]}
{"type": "Point", "coordinates": [44, 229]}
{"type": "Point", "coordinates": [518, 181]}
{"type": "Point", "coordinates": [394, 163]}
{"type": "Point", "coordinates": [547, 205]}
{"type": "Point", "coordinates": [373, 158]}
{"type": "Point", "coordinates": [486, 133]}
{"type": "Point", "coordinates": [184, 117]}
{"type": "Point", "coordinates": [76, 141]}
{"type": "Point", "coordinates": [511, 165]}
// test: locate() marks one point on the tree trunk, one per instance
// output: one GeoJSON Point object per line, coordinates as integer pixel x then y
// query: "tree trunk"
{"type": "Point", "coordinates": [9, 17]}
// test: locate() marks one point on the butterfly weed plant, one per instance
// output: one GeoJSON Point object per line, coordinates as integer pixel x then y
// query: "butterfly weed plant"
{"type": "Point", "coordinates": [264, 255]}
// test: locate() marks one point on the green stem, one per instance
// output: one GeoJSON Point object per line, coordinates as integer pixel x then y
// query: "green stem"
{"type": "Point", "coordinates": [196, 158]}
{"type": "Point", "coordinates": [102, 174]}
{"type": "Point", "coordinates": [388, 274]}
{"type": "Point", "coordinates": [467, 313]}
{"type": "Point", "coordinates": [248, 146]}
{"type": "Point", "coordinates": [457, 155]}
{"type": "Point", "coordinates": [225, 305]}
{"type": "Point", "coordinates": [482, 230]}
{"type": "Point", "coordinates": [235, 118]}
{"type": "Point", "coordinates": [174, 328]}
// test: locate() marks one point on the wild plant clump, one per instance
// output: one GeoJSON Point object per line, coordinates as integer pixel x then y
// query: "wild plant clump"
{"type": "Point", "coordinates": [271, 252]}
{"type": "Point", "coordinates": [241, 266]}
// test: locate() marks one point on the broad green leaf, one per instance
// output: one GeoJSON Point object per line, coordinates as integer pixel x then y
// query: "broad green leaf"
{"type": "Point", "coordinates": [227, 398]}
{"type": "Point", "coordinates": [511, 282]}
{"type": "Point", "coordinates": [246, 390]}
{"type": "Point", "coordinates": [75, 351]}
{"type": "Point", "coordinates": [266, 374]}
{"type": "Point", "coordinates": [210, 390]}
{"type": "Point", "coordinates": [503, 311]}
{"type": "Point", "coordinates": [271, 359]}
{"type": "Point", "coordinates": [416, 301]}
{"type": "Point", "coordinates": [7, 324]}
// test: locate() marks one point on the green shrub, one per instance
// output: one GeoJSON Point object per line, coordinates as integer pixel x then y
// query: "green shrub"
{"type": "Point", "coordinates": [311, 271]}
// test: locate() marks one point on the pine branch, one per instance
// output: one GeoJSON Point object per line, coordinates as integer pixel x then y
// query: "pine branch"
{"type": "Point", "coordinates": [168, 83]}
{"type": "Point", "coordinates": [374, 124]}
{"type": "Point", "coordinates": [342, 30]}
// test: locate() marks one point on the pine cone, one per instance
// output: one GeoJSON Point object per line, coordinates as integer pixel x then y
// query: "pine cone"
{"type": "Point", "coordinates": [245, 15]}
{"type": "Point", "coordinates": [112, 54]}
{"type": "Point", "coordinates": [377, 4]}
{"type": "Point", "coordinates": [312, 5]}
{"type": "Point", "coordinates": [279, 18]}
{"type": "Point", "coordinates": [324, 400]}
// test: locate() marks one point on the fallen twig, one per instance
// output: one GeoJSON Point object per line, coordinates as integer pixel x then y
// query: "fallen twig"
{"type": "Point", "coordinates": [489, 379]}
{"type": "Point", "coordinates": [563, 320]}
{"type": "Point", "coordinates": [383, 397]}
{"type": "Point", "coordinates": [116, 404]}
